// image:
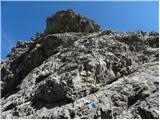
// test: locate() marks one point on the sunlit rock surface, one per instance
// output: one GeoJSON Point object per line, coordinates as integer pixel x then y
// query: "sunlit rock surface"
{"type": "Point", "coordinates": [74, 70]}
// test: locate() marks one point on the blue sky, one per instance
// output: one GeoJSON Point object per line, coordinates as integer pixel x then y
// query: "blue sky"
{"type": "Point", "coordinates": [21, 20]}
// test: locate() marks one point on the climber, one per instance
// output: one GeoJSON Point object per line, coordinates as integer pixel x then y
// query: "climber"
{"type": "Point", "coordinates": [80, 68]}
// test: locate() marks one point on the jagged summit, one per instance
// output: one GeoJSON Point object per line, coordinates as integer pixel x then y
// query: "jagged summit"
{"type": "Point", "coordinates": [69, 21]}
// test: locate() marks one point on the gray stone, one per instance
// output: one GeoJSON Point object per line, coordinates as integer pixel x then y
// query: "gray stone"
{"type": "Point", "coordinates": [81, 72]}
{"type": "Point", "coordinates": [68, 21]}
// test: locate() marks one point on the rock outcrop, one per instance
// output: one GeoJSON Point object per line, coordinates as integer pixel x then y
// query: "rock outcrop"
{"type": "Point", "coordinates": [68, 21]}
{"type": "Point", "coordinates": [73, 70]}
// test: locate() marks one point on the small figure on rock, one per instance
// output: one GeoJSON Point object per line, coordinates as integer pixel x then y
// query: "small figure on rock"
{"type": "Point", "coordinates": [80, 68]}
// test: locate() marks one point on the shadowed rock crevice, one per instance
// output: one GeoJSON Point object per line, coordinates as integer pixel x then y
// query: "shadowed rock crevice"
{"type": "Point", "coordinates": [40, 103]}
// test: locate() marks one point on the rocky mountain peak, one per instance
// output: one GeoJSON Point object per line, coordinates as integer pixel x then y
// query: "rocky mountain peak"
{"type": "Point", "coordinates": [68, 21]}
{"type": "Point", "coordinates": [73, 70]}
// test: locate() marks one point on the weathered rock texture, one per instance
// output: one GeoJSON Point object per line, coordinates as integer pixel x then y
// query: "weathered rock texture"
{"type": "Point", "coordinates": [68, 21]}
{"type": "Point", "coordinates": [73, 70]}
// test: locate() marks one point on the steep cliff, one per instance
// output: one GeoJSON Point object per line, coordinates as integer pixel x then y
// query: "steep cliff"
{"type": "Point", "coordinates": [74, 70]}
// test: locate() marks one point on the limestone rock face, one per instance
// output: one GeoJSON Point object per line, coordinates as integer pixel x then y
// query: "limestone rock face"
{"type": "Point", "coordinates": [68, 21]}
{"type": "Point", "coordinates": [82, 74]}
